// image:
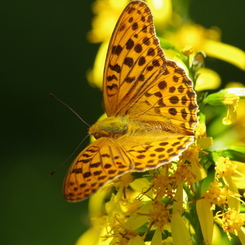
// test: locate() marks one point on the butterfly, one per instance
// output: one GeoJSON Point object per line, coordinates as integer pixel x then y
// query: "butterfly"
{"type": "Point", "coordinates": [150, 105]}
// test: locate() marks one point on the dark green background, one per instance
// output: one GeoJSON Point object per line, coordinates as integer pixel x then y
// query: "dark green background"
{"type": "Point", "coordinates": [44, 49]}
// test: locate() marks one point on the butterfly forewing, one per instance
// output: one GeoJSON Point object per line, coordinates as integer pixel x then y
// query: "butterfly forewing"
{"type": "Point", "coordinates": [134, 59]}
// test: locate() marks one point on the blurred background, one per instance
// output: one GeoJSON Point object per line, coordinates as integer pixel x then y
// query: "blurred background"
{"type": "Point", "coordinates": [44, 48]}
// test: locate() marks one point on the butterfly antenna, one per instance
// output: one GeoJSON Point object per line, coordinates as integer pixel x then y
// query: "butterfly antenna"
{"type": "Point", "coordinates": [67, 106]}
{"type": "Point", "coordinates": [68, 157]}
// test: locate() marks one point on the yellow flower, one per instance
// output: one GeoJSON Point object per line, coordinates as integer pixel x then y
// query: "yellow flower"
{"type": "Point", "coordinates": [157, 238]}
{"type": "Point", "coordinates": [181, 235]}
{"type": "Point", "coordinates": [95, 76]}
{"type": "Point", "coordinates": [224, 167]}
{"type": "Point", "coordinates": [162, 183]}
{"type": "Point", "coordinates": [157, 205]}
{"type": "Point", "coordinates": [230, 98]}
{"type": "Point", "coordinates": [239, 174]}
{"type": "Point", "coordinates": [196, 36]}
{"type": "Point", "coordinates": [208, 79]}
{"type": "Point", "coordinates": [231, 101]}
{"type": "Point", "coordinates": [216, 194]}
{"type": "Point", "coordinates": [207, 40]}
{"type": "Point", "coordinates": [225, 170]}
{"type": "Point", "coordinates": [161, 10]}
{"type": "Point", "coordinates": [107, 13]}
{"type": "Point", "coordinates": [159, 214]}
{"type": "Point", "coordinates": [184, 173]}
{"type": "Point", "coordinates": [225, 52]}
{"type": "Point", "coordinates": [202, 141]}
{"type": "Point", "coordinates": [187, 50]}
{"type": "Point", "coordinates": [124, 236]}
{"type": "Point", "coordinates": [136, 240]}
{"type": "Point", "coordinates": [93, 237]}
{"type": "Point", "coordinates": [205, 217]}
{"type": "Point", "coordinates": [189, 170]}
{"type": "Point", "coordinates": [232, 221]}
{"type": "Point", "coordinates": [201, 131]}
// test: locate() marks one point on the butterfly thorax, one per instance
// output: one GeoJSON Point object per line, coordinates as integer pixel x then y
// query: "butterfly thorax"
{"type": "Point", "coordinates": [112, 127]}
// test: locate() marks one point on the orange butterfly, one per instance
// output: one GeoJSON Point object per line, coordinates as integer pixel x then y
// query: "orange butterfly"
{"type": "Point", "coordinates": [150, 104]}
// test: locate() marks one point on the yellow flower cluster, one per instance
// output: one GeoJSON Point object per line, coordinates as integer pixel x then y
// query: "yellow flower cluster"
{"type": "Point", "coordinates": [224, 167]}
{"type": "Point", "coordinates": [164, 206]}
{"type": "Point", "coordinates": [217, 194]}
{"type": "Point", "coordinates": [232, 222]}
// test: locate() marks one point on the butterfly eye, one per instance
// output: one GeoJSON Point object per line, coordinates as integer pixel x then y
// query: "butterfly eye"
{"type": "Point", "coordinates": [97, 136]}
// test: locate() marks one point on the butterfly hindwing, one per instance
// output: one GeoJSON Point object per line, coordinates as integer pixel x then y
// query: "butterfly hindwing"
{"type": "Point", "coordinates": [102, 161]}
{"type": "Point", "coordinates": [170, 100]}
{"type": "Point", "coordinates": [154, 151]}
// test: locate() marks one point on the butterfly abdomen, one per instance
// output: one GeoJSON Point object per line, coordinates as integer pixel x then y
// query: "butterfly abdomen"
{"type": "Point", "coordinates": [115, 127]}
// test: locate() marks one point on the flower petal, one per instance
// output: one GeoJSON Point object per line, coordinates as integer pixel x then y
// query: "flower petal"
{"type": "Point", "coordinates": [225, 52]}
{"type": "Point", "coordinates": [136, 240]}
{"type": "Point", "coordinates": [205, 217]}
{"type": "Point", "coordinates": [157, 237]}
{"type": "Point", "coordinates": [180, 233]}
